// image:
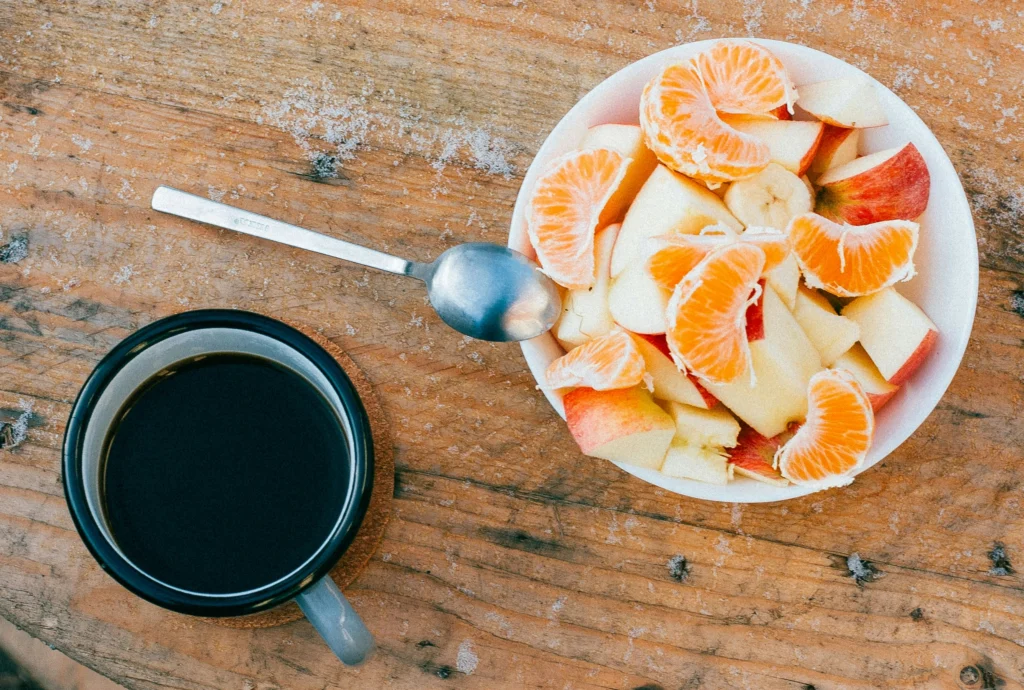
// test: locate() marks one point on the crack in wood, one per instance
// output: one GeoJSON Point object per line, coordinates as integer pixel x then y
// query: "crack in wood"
{"type": "Point", "coordinates": [20, 108]}
{"type": "Point", "coordinates": [521, 540]}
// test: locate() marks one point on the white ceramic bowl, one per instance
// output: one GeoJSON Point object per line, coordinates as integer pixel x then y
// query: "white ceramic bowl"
{"type": "Point", "coordinates": [947, 256]}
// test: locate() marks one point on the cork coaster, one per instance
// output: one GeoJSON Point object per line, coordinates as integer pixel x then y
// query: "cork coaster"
{"type": "Point", "coordinates": [371, 532]}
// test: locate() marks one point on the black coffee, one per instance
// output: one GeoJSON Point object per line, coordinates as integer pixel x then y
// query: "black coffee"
{"type": "Point", "coordinates": [224, 473]}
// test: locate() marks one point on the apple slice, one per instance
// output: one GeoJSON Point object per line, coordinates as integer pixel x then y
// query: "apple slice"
{"type": "Point", "coordinates": [843, 102]}
{"type": "Point", "coordinates": [831, 334]}
{"type": "Point", "coordinates": [693, 462]}
{"type": "Point", "coordinates": [888, 185]}
{"type": "Point", "coordinates": [791, 143]}
{"type": "Point", "coordinates": [636, 302]}
{"type": "Point", "coordinates": [857, 362]}
{"type": "Point", "coordinates": [783, 363]}
{"type": "Point", "coordinates": [714, 428]}
{"type": "Point", "coordinates": [668, 202]}
{"type": "Point", "coordinates": [670, 383]}
{"type": "Point", "coordinates": [894, 331]}
{"type": "Point", "coordinates": [623, 425]}
{"type": "Point", "coordinates": [838, 147]}
{"type": "Point", "coordinates": [785, 279]}
{"type": "Point", "coordinates": [629, 141]}
{"type": "Point", "coordinates": [754, 456]}
{"type": "Point", "coordinates": [585, 313]}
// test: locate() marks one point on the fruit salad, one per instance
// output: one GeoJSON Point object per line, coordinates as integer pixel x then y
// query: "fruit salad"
{"type": "Point", "coordinates": [728, 269]}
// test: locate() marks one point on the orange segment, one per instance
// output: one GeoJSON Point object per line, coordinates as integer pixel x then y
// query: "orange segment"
{"type": "Point", "coordinates": [605, 363]}
{"type": "Point", "coordinates": [682, 128]}
{"type": "Point", "coordinates": [772, 242]}
{"type": "Point", "coordinates": [836, 437]}
{"type": "Point", "coordinates": [564, 211]}
{"type": "Point", "coordinates": [707, 314]}
{"type": "Point", "coordinates": [673, 256]}
{"type": "Point", "coordinates": [849, 260]}
{"type": "Point", "coordinates": [744, 78]}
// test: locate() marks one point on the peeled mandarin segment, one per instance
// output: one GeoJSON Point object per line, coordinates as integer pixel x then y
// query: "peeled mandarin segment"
{"type": "Point", "coordinates": [836, 437]}
{"type": "Point", "coordinates": [606, 363]}
{"type": "Point", "coordinates": [706, 316]}
{"type": "Point", "coordinates": [850, 261]}
{"type": "Point", "coordinates": [744, 78]}
{"type": "Point", "coordinates": [564, 211]}
{"type": "Point", "coordinates": [682, 128]}
{"type": "Point", "coordinates": [772, 242]}
{"type": "Point", "coordinates": [673, 256]}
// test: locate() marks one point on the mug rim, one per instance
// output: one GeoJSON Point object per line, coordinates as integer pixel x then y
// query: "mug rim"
{"type": "Point", "coordinates": [217, 605]}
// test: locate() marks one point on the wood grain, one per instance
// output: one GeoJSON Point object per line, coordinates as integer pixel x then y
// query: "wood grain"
{"type": "Point", "coordinates": [510, 560]}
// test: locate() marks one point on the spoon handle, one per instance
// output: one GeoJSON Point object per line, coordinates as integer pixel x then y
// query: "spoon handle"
{"type": "Point", "coordinates": [185, 205]}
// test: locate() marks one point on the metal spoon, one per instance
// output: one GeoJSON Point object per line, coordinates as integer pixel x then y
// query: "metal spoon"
{"type": "Point", "coordinates": [484, 290]}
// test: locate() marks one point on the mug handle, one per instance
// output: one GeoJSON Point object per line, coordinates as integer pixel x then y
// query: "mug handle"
{"type": "Point", "coordinates": [337, 622]}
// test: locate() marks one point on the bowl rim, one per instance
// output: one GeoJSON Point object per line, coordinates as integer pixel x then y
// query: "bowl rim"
{"type": "Point", "coordinates": [539, 351]}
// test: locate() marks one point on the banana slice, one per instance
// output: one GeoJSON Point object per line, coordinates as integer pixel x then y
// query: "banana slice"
{"type": "Point", "coordinates": [772, 197]}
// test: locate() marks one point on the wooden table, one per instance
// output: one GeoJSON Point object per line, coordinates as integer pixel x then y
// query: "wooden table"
{"type": "Point", "coordinates": [510, 560]}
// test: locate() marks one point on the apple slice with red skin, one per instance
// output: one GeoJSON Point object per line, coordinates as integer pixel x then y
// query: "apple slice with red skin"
{"type": "Point", "coordinates": [838, 146]}
{"type": "Point", "coordinates": [896, 334]}
{"type": "Point", "coordinates": [791, 143]}
{"type": "Point", "coordinates": [674, 392]}
{"type": "Point", "coordinates": [857, 362]}
{"type": "Point", "coordinates": [753, 456]}
{"type": "Point", "coordinates": [915, 360]}
{"type": "Point", "coordinates": [622, 425]}
{"type": "Point", "coordinates": [889, 185]}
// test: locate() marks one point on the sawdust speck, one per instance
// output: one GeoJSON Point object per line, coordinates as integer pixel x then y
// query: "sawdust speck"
{"type": "Point", "coordinates": [466, 660]}
{"type": "Point", "coordinates": [123, 275]}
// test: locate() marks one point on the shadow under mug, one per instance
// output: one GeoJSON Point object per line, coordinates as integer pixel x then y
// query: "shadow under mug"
{"type": "Point", "coordinates": [183, 337]}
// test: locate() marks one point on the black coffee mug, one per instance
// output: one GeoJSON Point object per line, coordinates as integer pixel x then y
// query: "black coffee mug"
{"type": "Point", "coordinates": [181, 338]}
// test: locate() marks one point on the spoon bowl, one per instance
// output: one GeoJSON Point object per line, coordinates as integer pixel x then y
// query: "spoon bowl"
{"type": "Point", "coordinates": [491, 292]}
